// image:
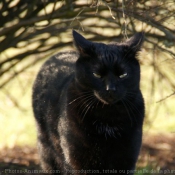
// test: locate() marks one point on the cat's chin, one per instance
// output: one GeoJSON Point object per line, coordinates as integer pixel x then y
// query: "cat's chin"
{"type": "Point", "coordinates": [106, 102]}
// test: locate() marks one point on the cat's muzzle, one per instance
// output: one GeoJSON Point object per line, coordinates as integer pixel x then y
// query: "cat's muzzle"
{"type": "Point", "coordinates": [107, 98]}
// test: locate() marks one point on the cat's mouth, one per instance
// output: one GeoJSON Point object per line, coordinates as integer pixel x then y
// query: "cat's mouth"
{"type": "Point", "coordinates": [107, 98]}
{"type": "Point", "coordinates": [100, 98]}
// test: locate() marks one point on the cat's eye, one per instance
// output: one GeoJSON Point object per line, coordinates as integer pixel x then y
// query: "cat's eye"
{"type": "Point", "coordinates": [97, 75]}
{"type": "Point", "coordinates": [123, 75]}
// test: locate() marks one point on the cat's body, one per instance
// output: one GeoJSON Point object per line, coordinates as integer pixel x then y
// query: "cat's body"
{"type": "Point", "coordinates": [90, 111]}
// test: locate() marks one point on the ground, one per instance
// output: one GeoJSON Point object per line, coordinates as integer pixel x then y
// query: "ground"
{"type": "Point", "coordinates": [157, 156]}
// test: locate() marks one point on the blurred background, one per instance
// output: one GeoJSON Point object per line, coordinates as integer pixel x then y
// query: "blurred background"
{"type": "Point", "coordinates": [33, 30]}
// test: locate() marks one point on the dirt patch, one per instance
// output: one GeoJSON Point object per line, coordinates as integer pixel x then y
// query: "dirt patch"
{"type": "Point", "coordinates": [157, 157]}
{"type": "Point", "coordinates": [158, 152]}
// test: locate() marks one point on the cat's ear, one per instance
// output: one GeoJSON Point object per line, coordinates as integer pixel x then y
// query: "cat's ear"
{"type": "Point", "coordinates": [81, 43]}
{"type": "Point", "coordinates": [135, 42]}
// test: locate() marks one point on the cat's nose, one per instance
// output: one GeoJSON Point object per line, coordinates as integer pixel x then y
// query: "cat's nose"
{"type": "Point", "coordinates": [110, 88]}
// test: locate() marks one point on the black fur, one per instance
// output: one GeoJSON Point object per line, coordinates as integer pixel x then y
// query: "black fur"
{"type": "Point", "coordinates": [89, 109]}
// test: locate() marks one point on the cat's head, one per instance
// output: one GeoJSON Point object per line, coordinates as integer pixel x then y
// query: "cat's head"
{"type": "Point", "coordinates": [109, 71]}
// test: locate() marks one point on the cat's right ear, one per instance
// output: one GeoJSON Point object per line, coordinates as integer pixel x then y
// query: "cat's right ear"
{"type": "Point", "coordinates": [136, 41]}
{"type": "Point", "coordinates": [81, 43]}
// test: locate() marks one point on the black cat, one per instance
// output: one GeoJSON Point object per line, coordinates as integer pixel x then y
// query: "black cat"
{"type": "Point", "coordinates": [89, 109]}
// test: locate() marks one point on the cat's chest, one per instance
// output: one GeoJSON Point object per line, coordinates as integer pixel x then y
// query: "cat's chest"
{"type": "Point", "coordinates": [109, 112]}
{"type": "Point", "coordinates": [107, 152]}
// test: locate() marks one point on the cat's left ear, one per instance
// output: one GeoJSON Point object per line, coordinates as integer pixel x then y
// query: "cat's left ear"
{"type": "Point", "coordinates": [135, 42]}
{"type": "Point", "coordinates": [82, 44]}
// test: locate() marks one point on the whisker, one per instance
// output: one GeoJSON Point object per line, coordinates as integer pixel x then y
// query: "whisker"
{"type": "Point", "coordinates": [130, 107]}
{"type": "Point", "coordinates": [82, 100]}
{"type": "Point", "coordinates": [134, 106]}
{"type": "Point", "coordinates": [85, 101]}
{"type": "Point", "coordinates": [93, 104]}
{"type": "Point", "coordinates": [131, 94]}
{"type": "Point", "coordinates": [88, 107]}
{"type": "Point", "coordinates": [84, 94]}
{"type": "Point", "coordinates": [124, 104]}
